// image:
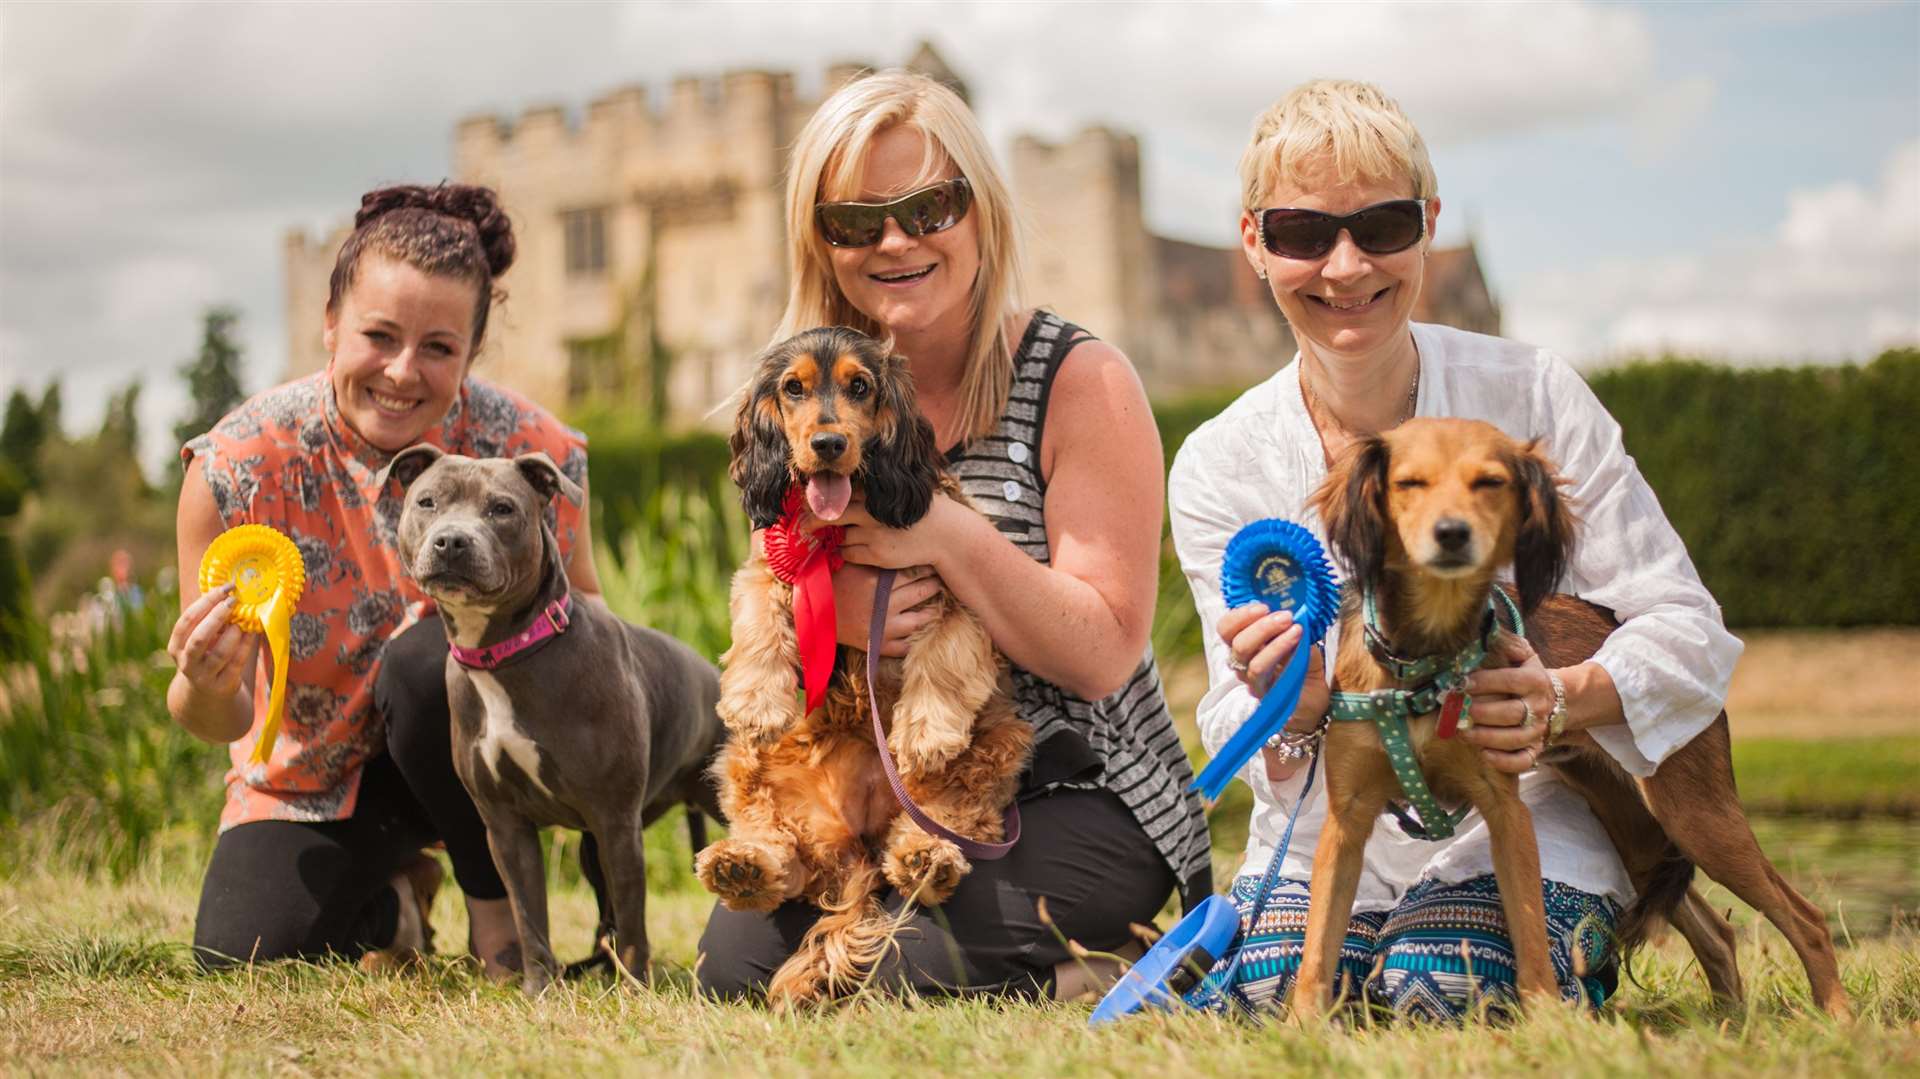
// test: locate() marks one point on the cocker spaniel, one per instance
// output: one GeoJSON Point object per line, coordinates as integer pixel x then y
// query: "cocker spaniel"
{"type": "Point", "coordinates": [812, 815]}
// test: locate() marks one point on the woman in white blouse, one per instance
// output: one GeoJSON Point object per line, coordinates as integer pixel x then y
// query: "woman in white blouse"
{"type": "Point", "coordinates": [1341, 203]}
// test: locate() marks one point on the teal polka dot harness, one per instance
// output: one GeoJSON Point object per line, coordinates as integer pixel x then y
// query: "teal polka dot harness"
{"type": "Point", "coordinates": [1432, 680]}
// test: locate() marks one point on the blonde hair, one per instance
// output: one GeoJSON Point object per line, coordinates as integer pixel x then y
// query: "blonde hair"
{"type": "Point", "coordinates": [827, 162]}
{"type": "Point", "coordinates": [1355, 125]}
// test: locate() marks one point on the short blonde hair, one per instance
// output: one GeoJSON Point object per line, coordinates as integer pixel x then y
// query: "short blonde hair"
{"type": "Point", "coordinates": [1355, 125]}
{"type": "Point", "coordinates": [828, 160]}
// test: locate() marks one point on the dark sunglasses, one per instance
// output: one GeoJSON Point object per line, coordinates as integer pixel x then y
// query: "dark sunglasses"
{"type": "Point", "coordinates": [1381, 229]}
{"type": "Point", "coordinates": [860, 224]}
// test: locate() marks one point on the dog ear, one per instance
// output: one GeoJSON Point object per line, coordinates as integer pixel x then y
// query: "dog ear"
{"type": "Point", "coordinates": [1543, 545]}
{"type": "Point", "coordinates": [1352, 503]}
{"type": "Point", "coordinates": [901, 461]}
{"type": "Point", "coordinates": [761, 465]}
{"type": "Point", "coordinates": [408, 464]}
{"type": "Point", "coordinates": [546, 478]}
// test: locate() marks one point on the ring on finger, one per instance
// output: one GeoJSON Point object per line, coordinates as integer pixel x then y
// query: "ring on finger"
{"type": "Point", "coordinates": [1526, 722]}
{"type": "Point", "coordinates": [1235, 664]}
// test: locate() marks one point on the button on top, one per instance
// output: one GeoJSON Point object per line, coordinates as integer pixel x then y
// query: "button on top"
{"type": "Point", "coordinates": [1017, 452]}
{"type": "Point", "coordinates": [1011, 490]}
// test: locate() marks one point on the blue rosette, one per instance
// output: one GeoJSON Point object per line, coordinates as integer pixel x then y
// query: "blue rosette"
{"type": "Point", "coordinates": [1282, 565]}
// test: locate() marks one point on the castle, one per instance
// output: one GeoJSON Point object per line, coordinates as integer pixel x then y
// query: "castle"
{"type": "Point", "coordinates": [652, 241]}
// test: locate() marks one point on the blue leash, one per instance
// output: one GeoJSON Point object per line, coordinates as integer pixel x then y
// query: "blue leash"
{"type": "Point", "coordinates": [1215, 986]}
{"type": "Point", "coordinates": [1279, 564]}
{"type": "Point", "coordinates": [1209, 931]}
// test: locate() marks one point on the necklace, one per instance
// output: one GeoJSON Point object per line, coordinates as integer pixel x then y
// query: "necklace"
{"type": "Point", "coordinates": [1413, 392]}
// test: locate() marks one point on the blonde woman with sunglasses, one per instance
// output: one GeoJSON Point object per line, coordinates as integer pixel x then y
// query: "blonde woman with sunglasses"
{"type": "Point", "coordinates": [1340, 205]}
{"type": "Point", "coordinates": [900, 225]}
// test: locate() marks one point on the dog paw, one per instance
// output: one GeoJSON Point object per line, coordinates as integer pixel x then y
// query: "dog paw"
{"type": "Point", "coordinates": [745, 876]}
{"type": "Point", "coordinates": [924, 869]}
{"type": "Point", "coordinates": [539, 971]}
{"type": "Point", "coordinates": [760, 717]}
{"type": "Point", "coordinates": [924, 743]}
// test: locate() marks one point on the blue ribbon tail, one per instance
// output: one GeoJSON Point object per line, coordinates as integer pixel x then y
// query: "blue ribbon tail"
{"type": "Point", "coordinates": [1274, 711]}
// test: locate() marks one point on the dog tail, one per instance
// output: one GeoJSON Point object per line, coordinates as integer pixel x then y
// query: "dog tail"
{"type": "Point", "coordinates": [840, 949]}
{"type": "Point", "coordinates": [1665, 889]}
{"type": "Point", "coordinates": [696, 831]}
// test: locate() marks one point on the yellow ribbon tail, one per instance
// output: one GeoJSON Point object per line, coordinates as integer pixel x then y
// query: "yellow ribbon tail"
{"type": "Point", "coordinates": [279, 630]}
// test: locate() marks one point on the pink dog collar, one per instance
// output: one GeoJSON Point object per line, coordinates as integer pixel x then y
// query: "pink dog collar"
{"type": "Point", "coordinates": [548, 624]}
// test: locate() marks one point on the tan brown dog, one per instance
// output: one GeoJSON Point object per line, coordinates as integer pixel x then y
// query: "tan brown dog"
{"type": "Point", "coordinates": [811, 812]}
{"type": "Point", "coordinates": [1425, 515]}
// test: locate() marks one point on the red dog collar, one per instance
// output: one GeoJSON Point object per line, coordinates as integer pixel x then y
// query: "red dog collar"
{"type": "Point", "coordinates": [807, 561]}
{"type": "Point", "coordinates": [548, 624]}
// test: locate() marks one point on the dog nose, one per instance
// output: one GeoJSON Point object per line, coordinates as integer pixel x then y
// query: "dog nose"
{"type": "Point", "coordinates": [1451, 533]}
{"type": "Point", "coordinates": [828, 446]}
{"type": "Point", "coordinates": [451, 543]}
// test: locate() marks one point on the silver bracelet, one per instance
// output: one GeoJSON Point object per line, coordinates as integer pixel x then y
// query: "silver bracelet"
{"type": "Point", "coordinates": [1291, 746]}
{"type": "Point", "coordinates": [1556, 719]}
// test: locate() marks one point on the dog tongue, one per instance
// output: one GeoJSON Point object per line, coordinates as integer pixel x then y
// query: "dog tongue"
{"type": "Point", "coordinates": [828, 494]}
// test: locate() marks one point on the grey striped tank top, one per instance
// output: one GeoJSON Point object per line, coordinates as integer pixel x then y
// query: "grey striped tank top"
{"type": "Point", "coordinates": [1124, 743]}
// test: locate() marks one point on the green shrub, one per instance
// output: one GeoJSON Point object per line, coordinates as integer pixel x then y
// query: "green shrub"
{"type": "Point", "coordinates": [1797, 490]}
{"type": "Point", "coordinates": [629, 464]}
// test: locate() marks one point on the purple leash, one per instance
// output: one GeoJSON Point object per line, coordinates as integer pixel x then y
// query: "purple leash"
{"type": "Point", "coordinates": [972, 848]}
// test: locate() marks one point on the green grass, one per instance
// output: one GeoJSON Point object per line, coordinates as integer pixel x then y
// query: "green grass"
{"type": "Point", "coordinates": [93, 978]}
{"type": "Point", "coordinates": [107, 810]}
{"type": "Point", "coordinates": [1840, 776]}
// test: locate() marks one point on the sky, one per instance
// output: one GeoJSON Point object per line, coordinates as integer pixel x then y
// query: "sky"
{"type": "Point", "coordinates": [1740, 182]}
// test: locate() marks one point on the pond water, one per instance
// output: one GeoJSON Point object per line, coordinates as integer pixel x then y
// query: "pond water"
{"type": "Point", "coordinates": [1864, 873]}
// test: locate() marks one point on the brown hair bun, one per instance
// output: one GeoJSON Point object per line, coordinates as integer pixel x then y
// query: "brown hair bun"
{"type": "Point", "coordinates": [449, 230]}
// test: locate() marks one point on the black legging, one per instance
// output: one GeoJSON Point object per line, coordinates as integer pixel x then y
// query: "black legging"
{"type": "Point", "coordinates": [411, 692]}
{"type": "Point", "coordinates": [277, 889]}
{"type": "Point", "coordinates": [1081, 849]}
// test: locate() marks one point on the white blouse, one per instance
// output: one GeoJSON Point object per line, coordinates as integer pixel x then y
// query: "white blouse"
{"type": "Point", "coordinates": [1671, 659]}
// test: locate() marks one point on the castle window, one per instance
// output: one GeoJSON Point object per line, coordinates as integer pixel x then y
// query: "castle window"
{"type": "Point", "coordinates": [594, 368]}
{"type": "Point", "coordinates": [586, 232]}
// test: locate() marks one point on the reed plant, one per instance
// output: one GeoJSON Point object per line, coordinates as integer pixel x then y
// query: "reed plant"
{"type": "Point", "coordinates": [89, 756]}
{"type": "Point", "coordinates": [672, 565]}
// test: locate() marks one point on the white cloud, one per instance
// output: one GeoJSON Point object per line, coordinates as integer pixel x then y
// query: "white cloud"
{"type": "Point", "coordinates": [153, 154]}
{"type": "Point", "coordinates": [1663, 119]}
{"type": "Point", "coordinates": [1837, 279]}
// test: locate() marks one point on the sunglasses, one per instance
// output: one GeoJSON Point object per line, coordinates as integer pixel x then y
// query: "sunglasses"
{"type": "Point", "coordinates": [1381, 229]}
{"type": "Point", "coordinates": [931, 209]}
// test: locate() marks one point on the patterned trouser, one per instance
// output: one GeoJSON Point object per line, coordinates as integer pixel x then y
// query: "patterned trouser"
{"type": "Point", "coordinates": [1438, 955]}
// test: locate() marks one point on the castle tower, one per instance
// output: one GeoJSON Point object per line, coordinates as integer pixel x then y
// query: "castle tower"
{"type": "Point", "coordinates": [1089, 255]}
{"type": "Point", "coordinates": [926, 60]}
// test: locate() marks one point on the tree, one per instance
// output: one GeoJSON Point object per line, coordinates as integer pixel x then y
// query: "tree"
{"type": "Point", "coordinates": [120, 428]}
{"type": "Point", "coordinates": [50, 412]}
{"type": "Point", "coordinates": [21, 437]}
{"type": "Point", "coordinates": [213, 379]}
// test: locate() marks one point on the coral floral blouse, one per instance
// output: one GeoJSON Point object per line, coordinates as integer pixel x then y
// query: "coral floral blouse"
{"type": "Point", "coordinates": [286, 459]}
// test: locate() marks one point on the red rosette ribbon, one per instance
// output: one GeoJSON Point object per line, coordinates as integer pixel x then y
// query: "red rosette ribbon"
{"type": "Point", "coordinates": [807, 561]}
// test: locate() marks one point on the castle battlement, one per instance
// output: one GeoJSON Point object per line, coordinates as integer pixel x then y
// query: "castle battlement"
{"type": "Point", "coordinates": [630, 117]}
{"type": "Point", "coordinates": [655, 214]}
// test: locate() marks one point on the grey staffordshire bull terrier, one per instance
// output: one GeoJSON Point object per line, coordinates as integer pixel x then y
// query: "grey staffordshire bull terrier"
{"type": "Point", "coordinates": [584, 721]}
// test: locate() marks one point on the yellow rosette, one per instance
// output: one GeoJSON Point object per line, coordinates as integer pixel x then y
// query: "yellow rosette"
{"type": "Point", "coordinates": [267, 575]}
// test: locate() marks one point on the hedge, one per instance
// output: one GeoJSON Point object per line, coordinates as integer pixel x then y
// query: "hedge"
{"type": "Point", "coordinates": [1797, 490]}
